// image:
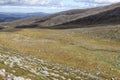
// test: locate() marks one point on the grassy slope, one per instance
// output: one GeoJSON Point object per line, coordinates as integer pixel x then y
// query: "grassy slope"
{"type": "Point", "coordinates": [84, 48]}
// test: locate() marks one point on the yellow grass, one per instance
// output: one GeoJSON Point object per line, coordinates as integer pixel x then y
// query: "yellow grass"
{"type": "Point", "coordinates": [68, 48]}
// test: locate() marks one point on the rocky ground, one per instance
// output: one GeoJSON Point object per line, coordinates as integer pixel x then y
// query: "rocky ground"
{"type": "Point", "coordinates": [9, 76]}
{"type": "Point", "coordinates": [41, 68]}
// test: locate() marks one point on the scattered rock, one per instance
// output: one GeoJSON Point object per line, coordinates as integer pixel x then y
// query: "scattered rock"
{"type": "Point", "coordinates": [9, 76]}
{"type": "Point", "coordinates": [2, 72]}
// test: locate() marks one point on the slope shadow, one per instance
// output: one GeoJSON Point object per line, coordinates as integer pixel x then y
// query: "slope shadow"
{"type": "Point", "coordinates": [110, 17]}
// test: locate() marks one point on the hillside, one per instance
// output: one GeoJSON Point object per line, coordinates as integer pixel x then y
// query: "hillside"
{"type": "Point", "coordinates": [79, 18]}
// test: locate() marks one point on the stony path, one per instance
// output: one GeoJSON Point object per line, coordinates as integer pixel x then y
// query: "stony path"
{"type": "Point", "coordinates": [44, 68]}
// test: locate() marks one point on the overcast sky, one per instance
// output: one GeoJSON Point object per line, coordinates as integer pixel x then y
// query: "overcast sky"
{"type": "Point", "coordinates": [49, 6]}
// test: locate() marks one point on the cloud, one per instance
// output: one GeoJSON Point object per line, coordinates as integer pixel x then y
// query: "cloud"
{"type": "Point", "coordinates": [32, 2]}
{"type": "Point", "coordinates": [31, 9]}
{"type": "Point", "coordinates": [107, 1]}
{"type": "Point", "coordinates": [98, 1]}
{"type": "Point", "coordinates": [50, 5]}
{"type": "Point", "coordinates": [95, 3]}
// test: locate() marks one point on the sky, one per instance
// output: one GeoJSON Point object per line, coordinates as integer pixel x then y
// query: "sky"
{"type": "Point", "coordinates": [49, 6]}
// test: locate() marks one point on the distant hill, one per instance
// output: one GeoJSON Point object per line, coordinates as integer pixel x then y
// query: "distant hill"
{"type": "Point", "coordinates": [6, 17]}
